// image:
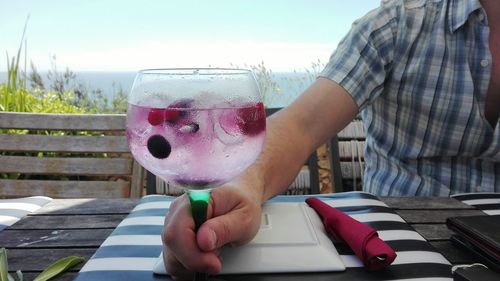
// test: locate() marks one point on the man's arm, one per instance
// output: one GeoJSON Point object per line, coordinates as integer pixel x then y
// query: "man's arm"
{"type": "Point", "coordinates": [235, 208]}
{"type": "Point", "coordinates": [294, 132]}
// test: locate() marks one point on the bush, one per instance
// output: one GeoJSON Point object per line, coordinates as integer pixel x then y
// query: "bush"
{"type": "Point", "coordinates": [63, 95]}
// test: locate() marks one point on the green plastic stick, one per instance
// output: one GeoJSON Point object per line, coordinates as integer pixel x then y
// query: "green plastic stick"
{"type": "Point", "coordinates": [199, 203]}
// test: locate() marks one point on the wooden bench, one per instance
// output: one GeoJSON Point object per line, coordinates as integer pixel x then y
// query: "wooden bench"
{"type": "Point", "coordinates": [306, 182]}
{"type": "Point", "coordinates": [66, 155]}
{"type": "Point", "coordinates": [346, 154]}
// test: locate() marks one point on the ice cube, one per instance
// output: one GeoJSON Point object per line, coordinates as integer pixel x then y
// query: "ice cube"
{"type": "Point", "coordinates": [229, 135]}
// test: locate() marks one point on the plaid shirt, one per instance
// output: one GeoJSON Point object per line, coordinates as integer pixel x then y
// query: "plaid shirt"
{"type": "Point", "coordinates": [419, 72]}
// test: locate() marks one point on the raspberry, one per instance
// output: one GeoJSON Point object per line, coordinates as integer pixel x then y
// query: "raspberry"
{"type": "Point", "coordinates": [175, 111]}
{"type": "Point", "coordinates": [156, 116]}
{"type": "Point", "coordinates": [171, 115]}
{"type": "Point", "coordinates": [252, 119]}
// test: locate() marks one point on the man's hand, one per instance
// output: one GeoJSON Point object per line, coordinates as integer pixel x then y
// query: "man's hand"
{"type": "Point", "coordinates": [233, 218]}
{"type": "Point", "coordinates": [235, 209]}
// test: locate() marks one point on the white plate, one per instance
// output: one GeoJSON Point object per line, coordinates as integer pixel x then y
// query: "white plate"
{"type": "Point", "coordinates": [291, 239]}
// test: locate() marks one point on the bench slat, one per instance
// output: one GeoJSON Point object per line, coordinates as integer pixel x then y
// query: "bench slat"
{"type": "Point", "coordinates": [65, 189]}
{"type": "Point", "coordinates": [137, 180]}
{"type": "Point", "coordinates": [96, 174]}
{"type": "Point", "coordinates": [78, 122]}
{"type": "Point", "coordinates": [351, 149]}
{"type": "Point", "coordinates": [65, 166]}
{"type": "Point", "coordinates": [353, 130]}
{"type": "Point", "coordinates": [46, 143]}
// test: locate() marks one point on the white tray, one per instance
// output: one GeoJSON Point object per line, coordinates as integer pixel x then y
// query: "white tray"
{"type": "Point", "coordinates": [291, 239]}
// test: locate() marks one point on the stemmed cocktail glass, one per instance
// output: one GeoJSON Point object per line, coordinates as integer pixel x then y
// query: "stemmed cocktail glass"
{"type": "Point", "coordinates": [196, 128]}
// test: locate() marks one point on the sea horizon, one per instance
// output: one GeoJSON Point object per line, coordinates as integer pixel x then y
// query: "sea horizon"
{"type": "Point", "coordinates": [109, 83]}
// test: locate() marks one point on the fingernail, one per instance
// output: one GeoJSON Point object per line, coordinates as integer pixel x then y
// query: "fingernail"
{"type": "Point", "coordinates": [213, 240]}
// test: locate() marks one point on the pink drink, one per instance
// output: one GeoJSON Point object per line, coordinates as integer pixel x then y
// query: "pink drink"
{"type": "Point", "coordinates": [196, 148]}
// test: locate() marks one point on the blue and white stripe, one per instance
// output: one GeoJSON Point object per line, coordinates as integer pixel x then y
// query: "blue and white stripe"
{"type": "Point", "coordinates": [487, 202]}
{"type": "Point", "coordinates": [131, 251]}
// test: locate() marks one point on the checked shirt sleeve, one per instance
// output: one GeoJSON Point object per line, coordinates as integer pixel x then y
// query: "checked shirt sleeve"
{"type": "Point", "coordinates": [363, 58]}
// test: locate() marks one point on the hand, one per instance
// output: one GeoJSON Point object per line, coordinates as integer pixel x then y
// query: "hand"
{"type": "Point", "coordinates": [233, 218]}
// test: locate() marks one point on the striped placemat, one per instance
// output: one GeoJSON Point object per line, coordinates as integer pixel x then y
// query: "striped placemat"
{"type": "Point", "coordinates": [488, 202]}
{"type": "Point", "coordinates": [12, 210]}
{"type": "Point", "coordinates": [130, 252]}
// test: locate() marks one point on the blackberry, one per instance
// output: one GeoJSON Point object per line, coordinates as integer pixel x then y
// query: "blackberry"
{"type": "Point", "coordinates": [159, 147]}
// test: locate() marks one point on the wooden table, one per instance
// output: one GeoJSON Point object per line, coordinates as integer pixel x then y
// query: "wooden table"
{"type": "Point", "coordinates": [78, 226]}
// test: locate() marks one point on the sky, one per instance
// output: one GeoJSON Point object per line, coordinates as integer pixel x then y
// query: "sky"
{"type": "Point", "coordinates": [109, 35]}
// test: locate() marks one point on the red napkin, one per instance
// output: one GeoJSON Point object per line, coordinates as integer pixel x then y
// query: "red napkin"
{"type": "Point", "coordinates": [362, 239]}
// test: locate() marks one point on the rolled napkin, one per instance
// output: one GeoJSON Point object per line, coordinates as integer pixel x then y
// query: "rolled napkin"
{"type": "Point", "coordinates": [362, 239]}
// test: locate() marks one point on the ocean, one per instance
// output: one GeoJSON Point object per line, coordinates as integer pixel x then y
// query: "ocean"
{"type": "Point", "coordinates": [288, 85]}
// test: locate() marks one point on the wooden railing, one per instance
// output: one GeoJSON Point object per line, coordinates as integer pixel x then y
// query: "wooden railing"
{"type": "Point", "coordinates": [347, 157]}
{"type": "Point", "coordinates": [66, 155]}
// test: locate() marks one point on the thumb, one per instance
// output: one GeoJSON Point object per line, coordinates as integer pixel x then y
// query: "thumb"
{"type": "Point", "coordinates": [223, 230]}
{"type": "Point", "coordinates": [235, 227]}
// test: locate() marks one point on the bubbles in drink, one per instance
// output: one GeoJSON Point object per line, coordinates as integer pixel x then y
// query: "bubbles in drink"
{"type": "Point", "coordinates": [142, 131]}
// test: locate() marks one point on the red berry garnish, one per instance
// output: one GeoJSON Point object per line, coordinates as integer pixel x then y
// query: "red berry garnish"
{"type": "Point", "coordinates": [156, 116]}
{"type": "Point", "coordinates": [171, 115]}
{"type": "Point", "coordinates": [252, 119]}
{"type": "Point", "coordinates": [175, 111]}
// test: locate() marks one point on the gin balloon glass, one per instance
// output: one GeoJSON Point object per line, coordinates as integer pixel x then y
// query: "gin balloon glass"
{"type": "Point", "coordinates": [196, 128]}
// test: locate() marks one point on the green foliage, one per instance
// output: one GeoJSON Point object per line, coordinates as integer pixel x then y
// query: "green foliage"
{"type": "Point", "coordinates": [53, 270]}
{"type": "Point", "coordinates": [60, 82]}
{"type": "Point", "coordinates": [64, 94]}
{"type": "Point", "coordinates": [119, 102]}
{"type": "Point", "coordinates": [298, 81]}
{"type": "Point", "coordinates": [13, 94]}
{"type": "Point", "coordinates": [59, 97]}
{"type": "Point", "coordinates": [315, 70]}
{"type": "Point", "coordinates": [100, 103]}
{"type": "Point", "coordinates": [4, 268]}
{"type": "Point", "coordinates": [54, 102]}
{"type": "Point", "coordinates": [267, 85]}
{"type": "Point", "coordinates": [59, 267]}
{"type": "Point", "coordinates": [14, 97]}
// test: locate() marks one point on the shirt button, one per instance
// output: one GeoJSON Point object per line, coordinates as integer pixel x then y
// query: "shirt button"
{"type": "Point", "coordinates": [485, 63]}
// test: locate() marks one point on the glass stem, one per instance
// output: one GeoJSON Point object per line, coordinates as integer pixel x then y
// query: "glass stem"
{"type": "Point", "coordinates": [199, 203]}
